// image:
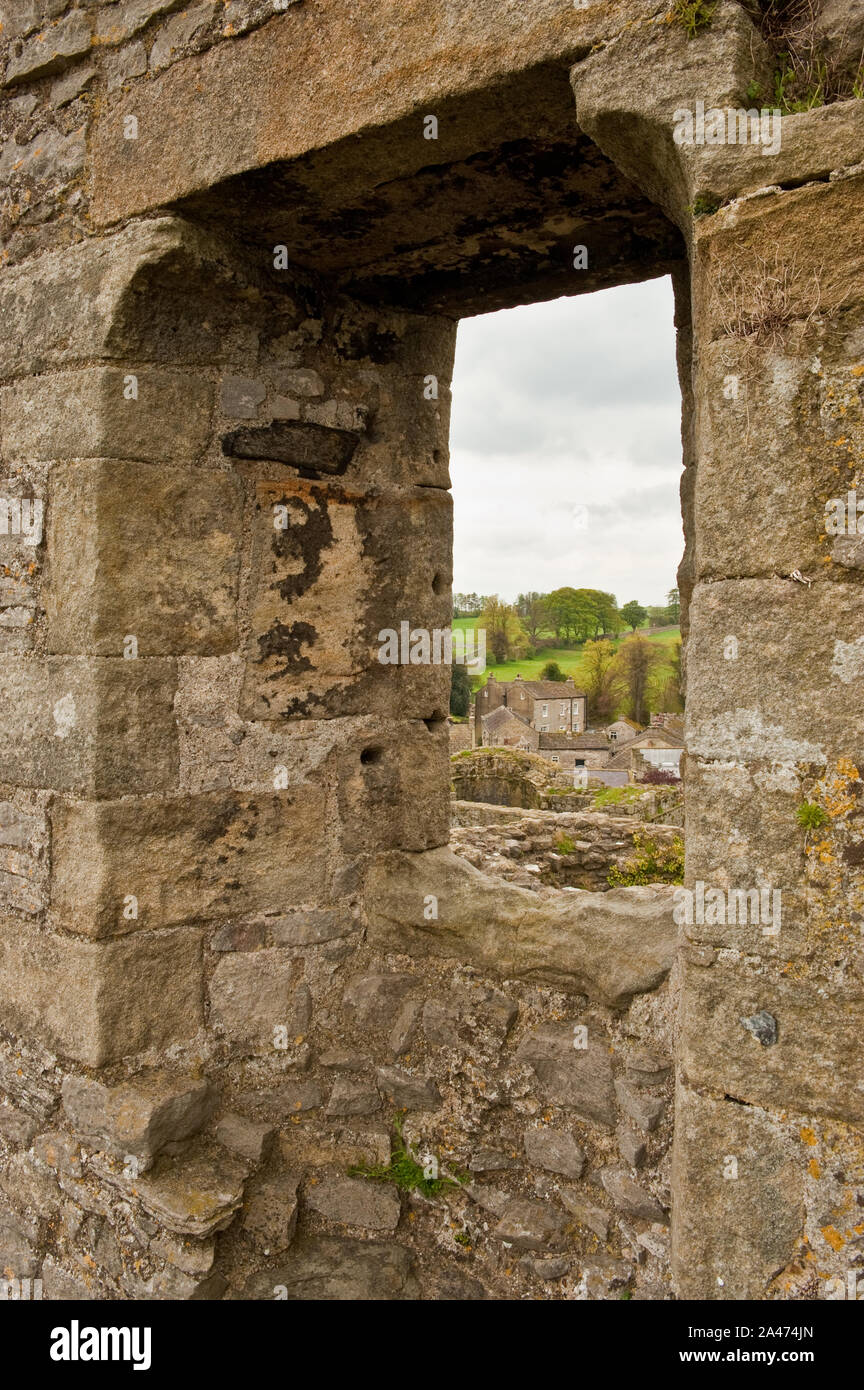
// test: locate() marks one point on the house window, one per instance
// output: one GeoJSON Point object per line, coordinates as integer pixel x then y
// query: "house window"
{"type": "Point", "coordinates": [545, 711]}
{"type": "Point", "coordinates": [613, 734]}
{"type": "Point", "coordinates": [521, 694]}
{"type": "Point", "coordinates": [554, 758]}
{"type": "Point", "coordinates": [544, 728]}
{"type": "Point", "coordinates": [563, 706]}
{"type": "Point", "coordinates": [578, 762]}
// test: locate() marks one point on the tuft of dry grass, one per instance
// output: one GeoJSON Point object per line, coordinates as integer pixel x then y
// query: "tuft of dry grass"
{"type": "Point", "coordinates": [807, 76]}
{"type": "Point", "coordinates": [758, 303]}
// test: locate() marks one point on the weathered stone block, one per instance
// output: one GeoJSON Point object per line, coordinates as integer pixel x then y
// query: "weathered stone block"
{"type": "Point", "coordinates": [759, 504]}
{"type": "Point", "coordinates": [138, 1117]}
{"type": "Point", "coordinates": [185, 858]}
{"type": "Point", "coordinates": [532, 1225]}
{"type": "Point", "coordinates": [312, 928]}
{"type": "Point", "coordinates": [350, 1097]}
{"type": "Point", "coordinates": [554, 1150]}
{"type": "Point", "coordinates": [371, 1000]}
{"type": "Point", "coordinates": [630, 1197]}
{"type": "Point", "coordinates": [803, 223]}
{"type": "Point", "coordinates": [121, 21]}
{"type": "Point", "coordinates": [192, 1256]}
{"type": "Point", "coordinates": [759, 705]}
{"type": "Point", "coordinates": [645, 1111]}
{"type": "Point", "coordinates": [332, 569]}
{"type": "Point", "coordinates": [270, 1211]}
{"type": "Point", "coordinates": [392, 786]}
{"type": "Point", "coordinates": [314, 450]}
{"type": "Point", "coordinates": [91, 726]}
{"type": "Point", "coordinates": [27, 1077]}
{"type": "Point", "coordinates": [151, 553]}
{"type": "Point", "coordinates": [355, 1202]}
{"type": "Point", "coordinates": [329, 1268]}
{"type": "Point", "coordinates": [16, 1126]}
{"type": "Point", "coordinates": [196, 1194]}
{"type": "Point", "coordinates": [630, 1147]}
{"type": "Point", "coordinates": [83, 302]}
{"type": "Point", "coordinates": [91, 413]}
{"type": "Point", "coordinates": [100, 1001]}
{"type": "Point", "coordinates": [52, 50]}
{"type": "Point", "coordinates": [816, 1064]}
{"type": "Point", "coordinates": [575, 1077]}
{"type": "Point", "coordinates": [23, 857]}
{"type": "Point", "coordinates": [609, 945]}
{"type": "Point", "coordinates": [407, 1091]}
{"type": "Point", "coordinates": [466, 1018]}
{"type": "Point", "coordinates": [732, 1235]}
{"type": "Point", "coordinates": [741, 833]}
{"type": "Point", "coordinates": [253, 1141]}
{"type": "Point", "coordinates": [254, 994]}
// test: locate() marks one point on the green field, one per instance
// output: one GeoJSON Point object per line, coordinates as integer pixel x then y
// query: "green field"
{"type": "Point", "coordinates": [568, 658]}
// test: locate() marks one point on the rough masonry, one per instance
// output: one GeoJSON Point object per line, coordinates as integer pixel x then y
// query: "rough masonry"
{"type": "Point", "coordinates": [235, 947]}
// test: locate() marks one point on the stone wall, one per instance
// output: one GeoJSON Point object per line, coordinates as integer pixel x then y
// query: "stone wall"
{"type": "Point", "coordinates": [505, 777]}
{"type": "Point", "coordinates": [557, 849]}
{"type": "Point", "coordinates": [234, 943]}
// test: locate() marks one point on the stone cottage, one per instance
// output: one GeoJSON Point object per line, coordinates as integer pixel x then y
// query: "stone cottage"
{"type": "Point", "coordinates": [504, 728]}
{"type": "Point", "coordinates": [547, 706]}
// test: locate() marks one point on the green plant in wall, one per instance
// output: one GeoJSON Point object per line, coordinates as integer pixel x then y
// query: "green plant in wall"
{"type": "Point", "coordinates": [651, 862]}
{"type": "Point", "coordinates": [796, 91]}
{"type": "Point", "coordinates": [705, 205]}
{"type": "Point", "coordinates": [405, 1170]}
{"type": "Point", "coordinates": [564, 845]}
{"type": "Point", "coordinates": [693, 14]}
{"type": "Point", "coordinates": [810, 815]}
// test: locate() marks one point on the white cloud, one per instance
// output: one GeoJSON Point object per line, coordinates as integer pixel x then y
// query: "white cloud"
{"type": "Point", "coordinates": [565, 412]}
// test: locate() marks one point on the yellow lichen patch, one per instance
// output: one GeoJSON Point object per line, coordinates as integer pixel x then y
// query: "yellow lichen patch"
{"type": "Point", "coordinates": [833, 1237]}
{"type": "Point", "coordinates": [807, 1136]}
{"type": "Point", "coordinates": [813, 1168]}
{"type": "Point", "coordinates": [857, 371]}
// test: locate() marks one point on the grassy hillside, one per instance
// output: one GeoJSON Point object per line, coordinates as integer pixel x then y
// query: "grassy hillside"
{"type": "Point", "coordinates": [568, 658]}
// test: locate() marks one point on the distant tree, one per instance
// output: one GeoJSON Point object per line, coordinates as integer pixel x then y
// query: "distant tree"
{"type": "Point", "coordinates": [673, 602]}
{"type": "Point", "coordinates": [534, 612]}
{"type": "Point", "coordinates": [552, 672]}
{"type": "Point", "coordinates": [635, 662]}
{"type": "Point", "coordinates": [657, 617]}
{"type": "Point", "coordinates": [573, 614]}
{"type": "Point", "coordinates": [504, 630]}
{"type": "Point", "coordinates": [610, 618]}
{"type": "Point", "coordinates": [460, 690]}
{"type": "Point", "coordinates": [601, 680]}
{"type": "Point", "coordinates": [670, 694]}
{"type": "Point", "coordinates": [633, 614]}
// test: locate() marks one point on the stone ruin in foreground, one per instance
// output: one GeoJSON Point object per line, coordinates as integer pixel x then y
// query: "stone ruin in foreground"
{"type": "Point", "coordinates": [234, 942]}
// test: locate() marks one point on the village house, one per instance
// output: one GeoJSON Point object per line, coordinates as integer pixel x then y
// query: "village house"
{"type": "Point", "coordinates": [620, 731]}
{"type": "Point", "coordinates": [503, 728]}
{"type": "Point", "coordinates": [656, 747]}
{"type": "Point", "coordinates": [549, 707]}
{"type": "Point", "coordinates": [572, 751]}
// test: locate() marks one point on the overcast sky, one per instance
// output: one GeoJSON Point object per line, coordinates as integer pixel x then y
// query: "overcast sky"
{"type": "Point", "coordinates": [566, 447]}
